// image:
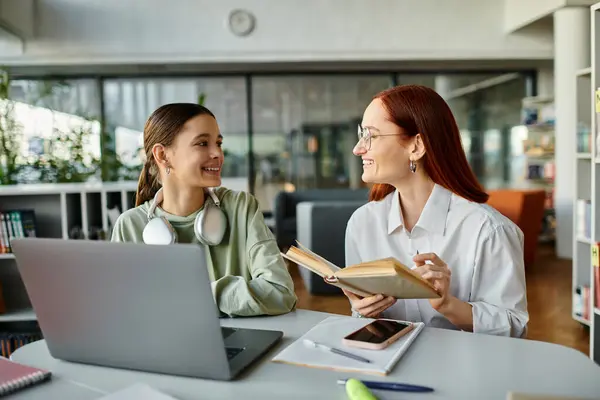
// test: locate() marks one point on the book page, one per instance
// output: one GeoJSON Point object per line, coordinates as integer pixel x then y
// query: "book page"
{"type": "Point", "coordinates": [307, 261]}
{"type": "Point", "coordinates": [374, 270]}
{"type": "Point", "coordinates": [334, 268]}
{"type": "Point", "coordinates": [384, 266]}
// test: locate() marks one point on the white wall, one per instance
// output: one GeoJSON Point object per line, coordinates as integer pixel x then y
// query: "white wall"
{"type": "Point", "coordinates": [117, 31]}
{"type": "Point", "coordinates": [521, 13]}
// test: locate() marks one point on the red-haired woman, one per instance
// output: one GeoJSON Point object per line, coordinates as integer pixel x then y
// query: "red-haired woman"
{"type": "Point", "coordinates": [427, 209]}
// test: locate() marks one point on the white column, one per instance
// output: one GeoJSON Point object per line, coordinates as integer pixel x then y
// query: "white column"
{"type": "Point", "coordinates": [153, 100]}
{"type": "Point", "coordinates": [443, 85]}
{"type": "Point", "coordinates": [545, 81]}
{"type": "Point", "coordinates": [571, 53]}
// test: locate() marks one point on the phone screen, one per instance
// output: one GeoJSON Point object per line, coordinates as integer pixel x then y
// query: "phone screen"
{"type": "Point", "coordinates": [378, 331]}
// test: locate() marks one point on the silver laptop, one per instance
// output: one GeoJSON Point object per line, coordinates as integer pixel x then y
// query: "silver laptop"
{"type": "Point", "coordinates": [133, 306]}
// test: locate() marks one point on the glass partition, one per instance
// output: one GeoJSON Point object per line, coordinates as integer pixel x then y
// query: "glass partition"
{"type": "Point", "coordinates": [305, 128]}
{"type": "Point", "coordinates": [51, 131]}
{"type": "Point", "coordinates": [303, 125]}
{"type": "Point", "coordinates": [487, 108]}
{"type": "Point", "coordinates": [129, 103]}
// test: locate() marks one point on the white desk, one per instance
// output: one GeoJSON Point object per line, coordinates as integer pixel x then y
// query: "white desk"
{"type": "Point", "coordinates": [458, 365]}
{"type": "Point", "coordinates": [57, 388]}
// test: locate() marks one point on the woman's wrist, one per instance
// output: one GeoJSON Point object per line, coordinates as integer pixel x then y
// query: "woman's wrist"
{"type": "Point", "coordinates": [458, 312]}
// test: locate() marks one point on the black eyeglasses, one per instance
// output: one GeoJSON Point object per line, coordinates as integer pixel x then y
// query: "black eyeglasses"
{"type": "Point", "coordinates": [365, 135]}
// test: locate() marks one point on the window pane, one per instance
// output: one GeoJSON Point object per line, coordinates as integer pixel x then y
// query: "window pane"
{"type": "Point", "coordinates": [486, 107]}
{"type": "Point", "coordinates": [56, 128]}
{"type": "Point", "coordinates": [129, 103]}
{"type": "Point", "coordinates": [501, 109]}
{"type": "Point", "coordinates": [305, 129]}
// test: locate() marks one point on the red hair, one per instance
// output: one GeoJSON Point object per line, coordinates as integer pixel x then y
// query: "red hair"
{"type": "Point", "coordinates": [419, 109]}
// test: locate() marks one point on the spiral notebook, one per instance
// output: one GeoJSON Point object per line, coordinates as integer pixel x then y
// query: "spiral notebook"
{"type": "Point", "coordinates": [15, 376]}
{"type": "Point", "coordinates": [330, 332]}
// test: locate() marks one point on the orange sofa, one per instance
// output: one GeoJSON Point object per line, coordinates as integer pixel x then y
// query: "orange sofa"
{"type": "Point", "coordinates": [526, 209]}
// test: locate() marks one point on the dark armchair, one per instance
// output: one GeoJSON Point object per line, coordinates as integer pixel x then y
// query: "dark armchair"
{"type": "Point", "coordinates": [286, 202]}
{"type": "Point", "coordinates": [322, 228]}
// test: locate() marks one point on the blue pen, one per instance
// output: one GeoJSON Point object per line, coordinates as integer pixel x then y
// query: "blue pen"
{"type": "Point", "coordinates": [397, 387]}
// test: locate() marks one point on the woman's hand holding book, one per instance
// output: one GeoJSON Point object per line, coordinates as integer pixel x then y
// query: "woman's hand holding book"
{"type": "Point", "coordinates": [370, 307]}
{"type": "Point", "coordinates": [436, 272]}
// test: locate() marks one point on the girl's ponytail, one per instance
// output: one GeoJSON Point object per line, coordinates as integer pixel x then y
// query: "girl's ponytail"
{"type": "Point", "coordinates": [147, 184]}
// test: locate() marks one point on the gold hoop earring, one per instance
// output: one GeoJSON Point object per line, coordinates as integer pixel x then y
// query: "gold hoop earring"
{"type": "Point", "coordinates": [412, 166]}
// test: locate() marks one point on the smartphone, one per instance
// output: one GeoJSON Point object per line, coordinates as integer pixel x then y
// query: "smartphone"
{"type": "Point", "coordinates": [378, 334]}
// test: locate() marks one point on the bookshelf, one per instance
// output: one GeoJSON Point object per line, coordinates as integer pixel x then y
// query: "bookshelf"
{"type": "Point", "coordinates": [67, 211]}
{"type": "Point", "coordinates": [582, 237]}
{"type": "Point", "coordinates": [538, 119]}
{"type": "Point", "coordinates": [586, 221]}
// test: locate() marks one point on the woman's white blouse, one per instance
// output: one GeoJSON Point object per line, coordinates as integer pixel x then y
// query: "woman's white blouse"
{"type": "Point", "coordinates": [482, 248]}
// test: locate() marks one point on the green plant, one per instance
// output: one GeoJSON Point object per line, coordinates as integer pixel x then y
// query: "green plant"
{"type": "Point", "coordinates": [67, 159]}
{"type": "Point", "coordinates": [201, 98]}
{"type": "Point", "coordinates": [10, 134]}
{"type": "Point", "coordinates": [111, 165]}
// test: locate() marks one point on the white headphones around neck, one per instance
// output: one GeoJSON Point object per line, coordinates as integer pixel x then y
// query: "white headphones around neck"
{"type": "Point", "coordinates": [209, 226]}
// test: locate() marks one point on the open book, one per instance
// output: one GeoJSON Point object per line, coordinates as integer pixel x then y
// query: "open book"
{"type": "Point", "coordinates": [386, 276]}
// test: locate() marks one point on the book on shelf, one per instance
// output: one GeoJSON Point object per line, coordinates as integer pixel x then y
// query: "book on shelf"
{"type": "Point", "coordinates": [16, 224]}
{"type": "Point", "coordinates": [584, 218]}
{"type": "Point", "coordinates": [10, 341]}
{"type": "Point", "coordinates": [597, 116]}
{"type": "Point", "coordinates": [596, 273]}
{"type": "Point", "coordinates": [581, 302]}
{"type": "Point", "coordinates": [549, 202]}
{"type": "Point", "coordinates": [386, 276]}
{"type": "Point", "coordinates": [584, 138]}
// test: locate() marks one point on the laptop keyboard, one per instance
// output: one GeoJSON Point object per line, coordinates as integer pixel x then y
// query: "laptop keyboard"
{"type": "Point", "coordinates": [232, 352]}
{"type": "Point", "coordinates": [226, 332]}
